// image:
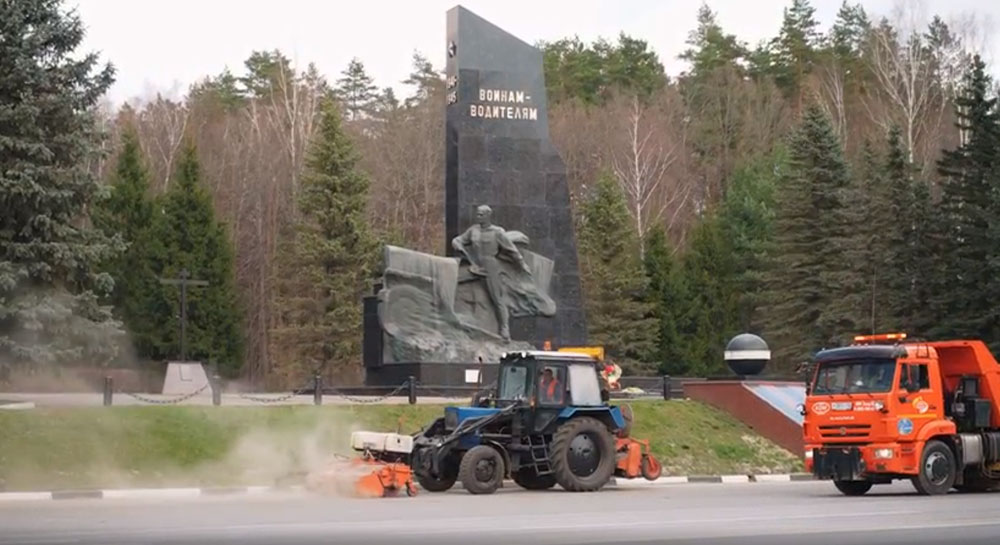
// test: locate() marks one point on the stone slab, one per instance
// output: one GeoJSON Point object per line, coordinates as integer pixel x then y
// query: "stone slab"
{"type": "Point", "coordinates": [184, 378]}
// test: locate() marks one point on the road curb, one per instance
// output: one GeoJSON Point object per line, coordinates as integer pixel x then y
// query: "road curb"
{"type": "Point", "coordinates": [144, 493]}
{"type": "Point", "coordinates": [175, 493]}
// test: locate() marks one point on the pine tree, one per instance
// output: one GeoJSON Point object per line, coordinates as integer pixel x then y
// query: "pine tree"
{"type": "Point", "coordinates": [709, 276]}
{"type": "Point", "coordinates": [668, 299]}
{"type": "Point", "coordinates": [967, 291]}
{"type": "Point", "coordinates": [331, 262]}
{"type": "Point", "coordinates": [810, 271]}
{"type": "Point", "coordinates": [906, 267]}
{"type": "Point", "coordinates": [267, 72]}
{"type": "Point", "coordinates": [618, 316]}
{"type": "Point", "coordinates": [426, 81]}
{"type": "Point", "coordinates": [357, 90]}
{"type": "Point", "coordinates": [185, 235]}
{"type": "Point", "coordinates": [795, 47]}
{"type": "Point", "coordinates": [868, 247]}
{"type": "Point", "coordinates": [49, 287]}
{"type": "Point", "coordinates": [710, 47]}
{"type": "Point", "coordinates": [129, 212]}
{"type": "Point", "coordinates": [747, 218]}
{"type": "Point", "coordinates": [850, 31]}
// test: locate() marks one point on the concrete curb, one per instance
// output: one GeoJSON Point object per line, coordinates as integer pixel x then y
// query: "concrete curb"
{"type": "Point", "coordinates": [178, 493]}
{"type": "Point", "coordinates": [719, 479]}
{"type": "Point", "coordinates": [144, 493]}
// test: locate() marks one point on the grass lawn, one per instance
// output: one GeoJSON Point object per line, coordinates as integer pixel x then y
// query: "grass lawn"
{"type": "Point", "coordinates": [114, 447]}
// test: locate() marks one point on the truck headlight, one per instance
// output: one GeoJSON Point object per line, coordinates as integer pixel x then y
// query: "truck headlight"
{"type": "Point", "coordinates": [883, 453]}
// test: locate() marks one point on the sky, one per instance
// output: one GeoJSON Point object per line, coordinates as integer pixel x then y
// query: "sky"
{"type": "Point", "coordinates": [163, 46]}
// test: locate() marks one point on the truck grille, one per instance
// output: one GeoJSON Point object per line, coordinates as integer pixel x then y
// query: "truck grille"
{"type": "Point", "coordinates": [845, 431]}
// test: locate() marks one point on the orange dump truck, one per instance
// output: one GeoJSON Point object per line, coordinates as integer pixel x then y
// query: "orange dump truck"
{"type": "Point", "coordinates": [885, 408]}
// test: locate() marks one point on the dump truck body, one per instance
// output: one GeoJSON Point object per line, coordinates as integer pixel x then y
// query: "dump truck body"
{"type": "Point", "coordinates": [924, 411]}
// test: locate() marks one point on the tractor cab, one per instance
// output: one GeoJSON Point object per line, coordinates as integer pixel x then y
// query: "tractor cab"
{"type": "Point", "coordinates": [549, 380]}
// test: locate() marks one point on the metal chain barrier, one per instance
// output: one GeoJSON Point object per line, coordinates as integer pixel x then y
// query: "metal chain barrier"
{"type": "Point", "coordinates": [378, 399]}
{"type": "Point", "coordinates": [171, 401]}
{"type": "Point", "coordinates": [283, 398]}
{"type": "Point", "coordinates": [437, 393]}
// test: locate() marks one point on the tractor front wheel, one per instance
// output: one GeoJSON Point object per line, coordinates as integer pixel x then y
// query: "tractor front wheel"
{"type": "Point", "coordinates": [583, 454]}
{"type": "Point", "coordinates": [529, 480]}
{"type": "Point", "coordinates": [482, 470]}
{"type": "Point", "coordinates": [437, 484]}
{"type": "Point", "coordinates": [447, 471]}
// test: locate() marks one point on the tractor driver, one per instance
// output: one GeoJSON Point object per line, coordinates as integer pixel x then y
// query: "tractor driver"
{"type": "Point", "coordinates": [550, 390]}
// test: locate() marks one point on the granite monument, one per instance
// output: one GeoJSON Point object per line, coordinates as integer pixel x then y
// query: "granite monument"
{"type": "Point", "coordinates": [509, 278]}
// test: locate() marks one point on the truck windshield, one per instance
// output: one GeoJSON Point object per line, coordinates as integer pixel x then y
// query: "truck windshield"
{"type": "Point", "coordinates": [855, 376]}
{"type": "Point", "coordinates": [514, 383]}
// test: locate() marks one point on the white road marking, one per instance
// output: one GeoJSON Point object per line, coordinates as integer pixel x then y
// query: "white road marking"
{"type": "Point", "coordinates": [25, 496]}
{"type": "Point", "coordinates": [152, 493]}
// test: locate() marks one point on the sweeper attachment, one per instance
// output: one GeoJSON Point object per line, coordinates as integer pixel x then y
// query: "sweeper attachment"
{"type": "Point", "coordinates": [381, 469]}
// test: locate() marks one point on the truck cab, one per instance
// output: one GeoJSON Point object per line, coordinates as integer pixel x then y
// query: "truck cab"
{"type": "Point", "coordinates": [884, 409]}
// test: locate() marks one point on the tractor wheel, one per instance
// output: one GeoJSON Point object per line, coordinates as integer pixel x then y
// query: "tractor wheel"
{"type": "Point", "coordinates": [583, 454]}
{"type": "Point", "coordinates": [937, 469]}
{"type": "Point", "coordinates": [443, 482]}
{"type": "Point", "coordinates": [529, 480]}
{"type": "Point", "coordinates": [853, 488]}
{"type": "Point", "coordinates": [482, 470]}
{"type": "Point", "coordinates": [436, 484]}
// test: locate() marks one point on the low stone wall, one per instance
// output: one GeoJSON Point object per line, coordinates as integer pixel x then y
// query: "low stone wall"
{"type": "Point", "coordinates": [731, 396]}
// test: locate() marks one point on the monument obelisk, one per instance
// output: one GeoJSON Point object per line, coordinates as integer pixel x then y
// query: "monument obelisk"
{"type": "Point", "coordinates": [498, 153]}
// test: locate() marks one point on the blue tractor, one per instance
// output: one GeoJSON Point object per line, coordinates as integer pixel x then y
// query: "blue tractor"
{"type": "Point", "coordinates": [547, 422]}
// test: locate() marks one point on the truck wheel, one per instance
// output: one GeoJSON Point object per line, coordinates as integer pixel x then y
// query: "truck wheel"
{"type": "Point", "coordinates": [853, 488]}
{"type": "Point", "coordinates": [976, 482]}
{"type": "Point", "coordinates": [529, 480]}
{"type": "Point", "coordinates": [481, 470]}
{"type": "Point", "coordinates": [936, 471]}
{"type": "Point", "coordinates": [582, 454]}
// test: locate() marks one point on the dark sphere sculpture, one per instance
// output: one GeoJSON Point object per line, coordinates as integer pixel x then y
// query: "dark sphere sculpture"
{"type": "Point", "coordinates": [747, 354]}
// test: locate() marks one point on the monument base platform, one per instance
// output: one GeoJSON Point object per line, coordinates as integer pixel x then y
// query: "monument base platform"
{"type": "Point", "coordinates": [432, 375]}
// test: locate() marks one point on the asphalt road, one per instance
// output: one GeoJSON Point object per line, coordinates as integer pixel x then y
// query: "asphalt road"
{"type": "Point", "coordinates": [753, 513]}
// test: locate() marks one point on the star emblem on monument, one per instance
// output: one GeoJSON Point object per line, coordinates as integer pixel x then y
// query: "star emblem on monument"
{"type": "Point", "coordinates": [452, 81]}
{"type": "Point", "coordinates": [452, 97]}
{"type": "Point", "coordinates": [452, 48]}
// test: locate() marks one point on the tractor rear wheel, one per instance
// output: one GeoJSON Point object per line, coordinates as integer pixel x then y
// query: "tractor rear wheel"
{"type": "Point", "coordinates": [482, 470]}
{"type": "Point", "coordinates": [529, 480]}
{"type": "Point", "coordinates": [582, 454]}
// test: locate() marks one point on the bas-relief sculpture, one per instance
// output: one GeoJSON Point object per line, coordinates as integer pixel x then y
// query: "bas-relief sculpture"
{"type": "Point", "coordinates": [444, 309]}
{"type": "Point", "coordinates": [509, 285]}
